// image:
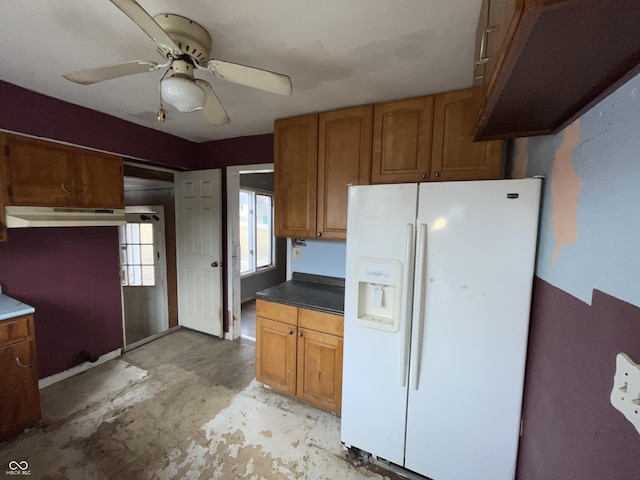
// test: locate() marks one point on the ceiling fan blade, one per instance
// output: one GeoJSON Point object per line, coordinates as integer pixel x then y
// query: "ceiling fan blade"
{"type": "Point", "coordinates": [251, 77]}
{"type": "Point", "coordinates": [135, 12]}
{"type": "Point", "coordinates": [100, 74]}
{"type": "Point", "coordinates": [213, 110]}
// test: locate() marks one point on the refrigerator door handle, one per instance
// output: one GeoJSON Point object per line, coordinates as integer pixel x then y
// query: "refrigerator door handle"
{"type": "Point", "coordinates": [405, 331]}
{"type": "Point", "coordinates": [418, 306]}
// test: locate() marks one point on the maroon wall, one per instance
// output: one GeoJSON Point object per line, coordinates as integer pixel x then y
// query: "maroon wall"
{"type": "Point", "coordinates": [72, 277]}
{"type": "Point", "coordinates": [571, 431]}
{"type": "Point", "coordinates": [255, 149]}
{"type": "Point", "coordinates": [24, 111]}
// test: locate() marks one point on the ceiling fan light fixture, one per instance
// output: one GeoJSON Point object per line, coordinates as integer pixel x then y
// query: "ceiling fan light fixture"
{"type": "Point", "coordinates": [183, 93]}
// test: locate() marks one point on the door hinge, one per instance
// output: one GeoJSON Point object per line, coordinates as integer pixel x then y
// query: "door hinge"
{"type": "Point", "coordinates": [9, 192]}
{"type": "Point", "coordinates": [6, 150]}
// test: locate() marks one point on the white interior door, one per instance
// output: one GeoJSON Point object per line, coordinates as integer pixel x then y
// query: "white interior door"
{"type": "Point", "coordinates": [199, 250]}
{"type": "Point", "coordinates": [468, 358]}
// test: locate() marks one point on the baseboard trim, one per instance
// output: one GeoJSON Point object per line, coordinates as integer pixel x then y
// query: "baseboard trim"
{"type": "Point", "coordinates": [58, 377]}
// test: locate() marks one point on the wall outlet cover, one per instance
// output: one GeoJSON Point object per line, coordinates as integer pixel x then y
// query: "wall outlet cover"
{"type": "Point", "coordinates": [625, 395]}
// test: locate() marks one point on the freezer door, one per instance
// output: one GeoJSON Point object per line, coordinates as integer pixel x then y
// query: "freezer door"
{"type": "Point", "coordinates": [468, 356]}
{"type": "Point", "coordinates": [380, 242]}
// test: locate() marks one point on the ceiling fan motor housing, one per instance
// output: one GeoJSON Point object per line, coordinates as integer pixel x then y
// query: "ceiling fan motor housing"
{"type": "Point", "coordinates": [191, 37]}
{"type": "Point", "coordinates": [182, 68]}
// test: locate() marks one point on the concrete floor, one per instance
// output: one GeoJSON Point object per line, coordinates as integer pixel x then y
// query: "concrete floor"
{"type": "Point", "coordinates": [185, 406]}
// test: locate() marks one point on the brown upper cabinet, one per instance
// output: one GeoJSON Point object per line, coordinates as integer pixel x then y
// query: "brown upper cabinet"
{"type": "Point", "coordinates": [295, 172]}
{"type": "Point", "coordinates": [454, 155]}
{"type": "Point", "coordinates": [402, 133]}
{"type": "Point", "coordinates": [40, 173]}
{"type": "Point", "coordinates": [316, 157]}
{"type": "Point", "coordinates": [540, 64]}
{"type": "Point", "coordinates": [344, 158]}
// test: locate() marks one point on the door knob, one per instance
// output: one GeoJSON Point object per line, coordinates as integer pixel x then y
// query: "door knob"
{"type": "Point", "coordinates": [214, 264]}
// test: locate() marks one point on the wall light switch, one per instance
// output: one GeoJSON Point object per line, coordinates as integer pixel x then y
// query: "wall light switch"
{"type": "Point", "coordinates": [625, 395]}
{"type": "Point", "coordinates": [297, 253]}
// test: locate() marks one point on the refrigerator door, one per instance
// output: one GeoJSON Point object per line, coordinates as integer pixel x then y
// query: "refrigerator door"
{"type": "Point", "coordinates": [468, 357]}
{"type": "Point", "coordinates": [380, 239]}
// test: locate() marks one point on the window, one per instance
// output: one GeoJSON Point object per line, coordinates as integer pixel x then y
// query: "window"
{"type": "Point", "coordinates": [136, 255]}
{"type": "Point", "coordinates": [256, 231]}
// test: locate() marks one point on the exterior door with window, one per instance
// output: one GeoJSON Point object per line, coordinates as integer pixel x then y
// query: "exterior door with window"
{"type": "Point", "coordinates": [256, 231]}
{"type": "Point", "coordinates": [143, 263]}
{"type": "Point", "coordinates": [199, 250]}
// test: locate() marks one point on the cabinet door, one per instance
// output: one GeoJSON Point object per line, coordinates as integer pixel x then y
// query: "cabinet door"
{"type": "Point", "coordinates": [276, 355]}
{"type": "Point", "coordinates": [402, 140]}
{"type": "Point", "coordinates": [295, 173]}
{"type": "Point", "coordinates": [501, 21]}
{"type": "Point", "coordinates": [479, 56]}
{"type": "Point", "coordinates": [320, 369]}
{"type": "Point", "coordinates": [39, 173]}
{"type": "Point", "coordinates": [344, 158]}
{"type": "Point", "coordinates": [455, 155]}
{"type": "Point", "coordinates": [99, 180]}
{"type": "Point", "coordinates": [19, 395]}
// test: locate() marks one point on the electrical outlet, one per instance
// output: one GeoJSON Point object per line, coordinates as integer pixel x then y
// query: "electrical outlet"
{"type": "Point", "coordinates": [297, 253]}
{"type": "Point", "coordinates": [625, 395]}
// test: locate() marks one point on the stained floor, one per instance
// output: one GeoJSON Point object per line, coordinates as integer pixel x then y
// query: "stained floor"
{"type": "Point", "coordinates": [185, 406]}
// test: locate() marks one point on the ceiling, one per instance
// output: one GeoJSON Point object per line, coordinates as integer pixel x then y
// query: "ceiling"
{"type": "Point", "coordinates": [338, 53]}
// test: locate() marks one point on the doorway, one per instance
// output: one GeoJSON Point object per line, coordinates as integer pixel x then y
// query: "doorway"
{"type": "Point", "coordinates": [144, 274]}
{"type": "Point", "coordinates": [258, 264]}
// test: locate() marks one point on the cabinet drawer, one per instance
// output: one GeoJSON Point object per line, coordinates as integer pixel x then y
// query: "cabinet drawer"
{"type": "Point", "coordinates": [277, 311]}
{"type": "Point", "coordinates": [321, 322]}
{"type": "Point", "coordinates": [14, 329]}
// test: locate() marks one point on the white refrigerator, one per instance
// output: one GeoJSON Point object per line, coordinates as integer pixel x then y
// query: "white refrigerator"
{"type": "Point", "coordinates": [437, 301]}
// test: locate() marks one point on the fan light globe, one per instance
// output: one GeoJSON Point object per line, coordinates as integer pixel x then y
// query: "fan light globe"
{"type": "Point", "coordinates": [183, 93]}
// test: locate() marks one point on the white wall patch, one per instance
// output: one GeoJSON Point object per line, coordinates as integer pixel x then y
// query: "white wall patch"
{"type": "Point", "coordinates": [625, 395]}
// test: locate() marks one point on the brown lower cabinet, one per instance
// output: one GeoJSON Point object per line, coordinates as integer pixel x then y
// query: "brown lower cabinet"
{"type": "Point", "coordinates": [19, 394]}
{"type": "Point", "coordinates": [299, 353]}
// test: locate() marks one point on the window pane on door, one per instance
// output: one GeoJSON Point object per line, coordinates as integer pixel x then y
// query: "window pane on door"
{"type": "Point", "coordinates": [137, 255]}
{"type": "Point", "coordinates": [146, 233]}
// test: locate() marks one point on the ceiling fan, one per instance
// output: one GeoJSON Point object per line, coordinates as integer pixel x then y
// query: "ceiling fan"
{"type": "Point", "coordinates": [187, 47]}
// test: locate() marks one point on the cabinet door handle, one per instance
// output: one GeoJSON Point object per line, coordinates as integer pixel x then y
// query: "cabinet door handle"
{"type": "Point", "coordinates": [483, 47]}
{"type": "Point", "coordinates": [290, 332]}
{"type": "Point", "coordinates": [65, 188]}
{"type": "Point", "coordinates": [20, 364]}
{"type": "Point", "coordinates": [319, 234]}
{"type": "Point", "coordinates": [84, 190]}
{"type": "Point", "coordinates": [299, 334]}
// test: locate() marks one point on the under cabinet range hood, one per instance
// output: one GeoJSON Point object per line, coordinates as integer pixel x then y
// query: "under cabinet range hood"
{"type": "Point", "coordinates": [20, 217]}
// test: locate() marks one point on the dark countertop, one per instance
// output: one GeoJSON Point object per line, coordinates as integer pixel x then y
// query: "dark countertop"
{"type": "Point", "coordinates": [314, 292]}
